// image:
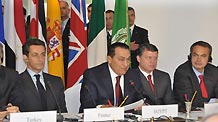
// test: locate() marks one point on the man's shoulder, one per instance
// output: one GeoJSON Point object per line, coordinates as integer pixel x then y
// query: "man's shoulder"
{"type": "Point", "coordinates": [140, 28]}
{"type": "Point", "coordinates": [185, 65]}
{"type": "Point", "coordinates": [161, 72]}
{"type": "Point", "coordinates": [211, 67]}
{"type": "Point", "coordinates": [100, 67]}
{"type": "Point", "coordinates": [50, 76]}
{"type": "Point", "coordinates": [7, 70]}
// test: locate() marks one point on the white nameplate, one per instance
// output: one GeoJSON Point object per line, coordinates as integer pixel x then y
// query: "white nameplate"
{"type": "Point", "coordinates": [42, 116]}
{"type": "Point", "coordinates": [210, 108]}
{"type": "Point", "coordinates": [159, 110]}
{"type": "Point", "coordinates": [103, 114]}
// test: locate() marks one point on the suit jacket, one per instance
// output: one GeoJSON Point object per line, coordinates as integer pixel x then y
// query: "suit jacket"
{"type": "Point", "coordinates": [65, 44]}
{"type": "Point", "coordinates": [32, 99]}
{"type": "Point", "coordinates": [140, 36]}
{"type": "Point", "coordinates": [162, 88]}
{"type": "Point", "coordinates": [97, 87]}
{"type": "Point", "coordinates": [186, 82]}
{"type": "Point", "coordinates": [10, 88]}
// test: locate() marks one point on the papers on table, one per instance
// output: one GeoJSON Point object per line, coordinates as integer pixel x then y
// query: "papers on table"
{"type": "Point", "coordinates": [134, 105]}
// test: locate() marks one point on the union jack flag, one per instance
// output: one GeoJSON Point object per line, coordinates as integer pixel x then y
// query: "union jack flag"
{"type": "Point", "coordinates": [77, 61]}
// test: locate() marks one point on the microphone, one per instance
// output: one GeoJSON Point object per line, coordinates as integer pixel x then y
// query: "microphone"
{"type": "Point", "coordinates": [145, 98]}
{"type": "Point", "coordinates": [60, 117]}
{"type": "Point", "coordinates": [132, 83]}
{"type": "Point", "coordinates": [90, 95]}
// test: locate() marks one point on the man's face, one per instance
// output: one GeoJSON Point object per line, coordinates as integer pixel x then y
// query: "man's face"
{"type": "Point", "coordinates": [148, 61]}
{"type": "Point", "coordinates": [64, 10]}
{"type": "Point", "coordinates": [36, 58]}
{"type": "Point", "coordinates": [109, 20]}
{"type": "Point", "coordinates": [131, 15]}
{"type": "Point", "coordinates": [120, 62]}
{"type": "Point", "coordinates": [199, 57]}
{"type": "Point", "coordinates": [89, 9]}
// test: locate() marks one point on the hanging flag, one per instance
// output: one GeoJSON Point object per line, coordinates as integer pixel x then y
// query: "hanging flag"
{"type": "Point", "coordinates": [14, 34]}
{"type": "Point", "coordinates": [2, 38]}
{"type": "Point", "coordinates": [54, 38]}
{"type": "Point", "coordinates": [77, 54]}
{"type": "Point", "coordinates": [97, 37]}
{"type": "Point", "coordinates": [77, 43]}
{"type": "Point", "coordinates": [37, 23]}
{"type": "Point", "coordinates": [120, 31]}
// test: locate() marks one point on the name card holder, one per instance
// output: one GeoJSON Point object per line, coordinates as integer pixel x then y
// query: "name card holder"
{"type": "Point", "coordinates": [159, 110]}
{"type": "Point", "coordinates": [42, 116]}
{"type": "Point", "coordinates": [210, 108]}
{"type": "Point", "coordinates": [104, 114]}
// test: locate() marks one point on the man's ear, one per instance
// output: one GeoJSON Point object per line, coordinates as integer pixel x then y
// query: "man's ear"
{"type": "Point", "coordinates": [109, 59]}
{"type": "Point", "coordinates": [138, 58]}
{"type": "Point", "coordinates": [25, 58]}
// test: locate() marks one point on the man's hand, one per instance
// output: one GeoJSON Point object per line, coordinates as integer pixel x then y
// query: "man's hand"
{"type": "Point", "coordinates": [12, 109]}
{"type": "Point", "coordinates": [3, 114]}
{"type": "Point", "coordinates": [134, 46]}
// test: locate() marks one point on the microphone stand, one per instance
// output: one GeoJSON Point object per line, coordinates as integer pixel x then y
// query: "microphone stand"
{"type": "Point", "coordinates": [60, 117]}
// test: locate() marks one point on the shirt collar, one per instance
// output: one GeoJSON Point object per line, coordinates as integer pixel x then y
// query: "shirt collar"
{"type": "Point", "coordinates": [145, 73]}
{"type": "Point", "coordinates": [196, 72]}
{"type": "Point", "coordinates": [33, 73]}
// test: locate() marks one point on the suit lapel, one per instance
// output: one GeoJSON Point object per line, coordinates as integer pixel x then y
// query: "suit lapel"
{"type": "Point", "coordinates": [134, 33]}
{"type": "Point", "coordinates": [156, 81]}
{"type": "Point", "coordinates": [48, 90]}
{"type": "Point", "coordinates": [30, 84]}
{"type": "Point", "coordinates": [108, 84]}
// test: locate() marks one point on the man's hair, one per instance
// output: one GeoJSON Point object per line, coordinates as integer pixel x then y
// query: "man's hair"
{"type": "Point", "coordinates": [131, 8]}
{"type": "Point", "coordinates": [109, 11]}
{"type": "Point", "coordinates": [203, 44]}
{"type": "Point", "coordinates": [90, 5]}
{"type": "Point", "coordinates": [146, 46]}
{"type": "Point", "coordinates": [30, 42]}
{"type": "Point", "coordinates": [65, 2]}
{"type": "Point", "coordinates": [111, 48]}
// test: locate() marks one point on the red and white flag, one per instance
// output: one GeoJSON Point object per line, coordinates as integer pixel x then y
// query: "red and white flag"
{"type": "Point", "coordinates": [38, 23]}
{"type": "Point", "coordinates": [14, 34]}
{"type": "Point", "coordinates": [77, 61]}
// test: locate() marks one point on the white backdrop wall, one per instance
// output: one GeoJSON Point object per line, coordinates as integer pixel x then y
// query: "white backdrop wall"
{"type": "Point", "coordinates": [174, 25]}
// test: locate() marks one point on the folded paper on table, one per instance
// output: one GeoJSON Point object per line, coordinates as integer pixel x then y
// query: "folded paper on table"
{"type": "Point", "coordinates": [133, 105]}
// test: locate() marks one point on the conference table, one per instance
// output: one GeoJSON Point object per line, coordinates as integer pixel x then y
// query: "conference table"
{"type": "Point", "coordinates": [195, 116]}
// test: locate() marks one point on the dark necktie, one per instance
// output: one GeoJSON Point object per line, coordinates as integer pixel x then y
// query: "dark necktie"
{"type": "Point", "coordinates": [119, 96]}
{"type": "Point", "coordinates": [203, 87]}
{"type": "Point", "coordinates": [108, 39]}
{"type": "Point", "coordinates": [42, 92]}
{"type": "Point", "coordinates": [150, 83]}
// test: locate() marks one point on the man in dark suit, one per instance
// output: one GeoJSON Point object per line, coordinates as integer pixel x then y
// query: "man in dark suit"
{"type": "Point", "coordinates": [156, 83]}
{"type": "Point", "coordinates": [110, 81]}
{"type": "Point", "coordinates": [10, 89]}
{"type": "Point", "coordinates": [65, 10]}
{"type": "Point", "coordinates": [138, 36]}
{"type": "Point", "coordinates": [40, 88]}
{"type": "Point", "coordinates": [109, 25]}
{"type": "Point", "coordinates": [196, 74]}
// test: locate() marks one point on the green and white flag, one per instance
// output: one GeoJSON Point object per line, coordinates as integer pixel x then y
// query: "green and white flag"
{"type": "Point", "coordinates": [97, 38]}
{"type": "Point", "coordinates": [120, 31]}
